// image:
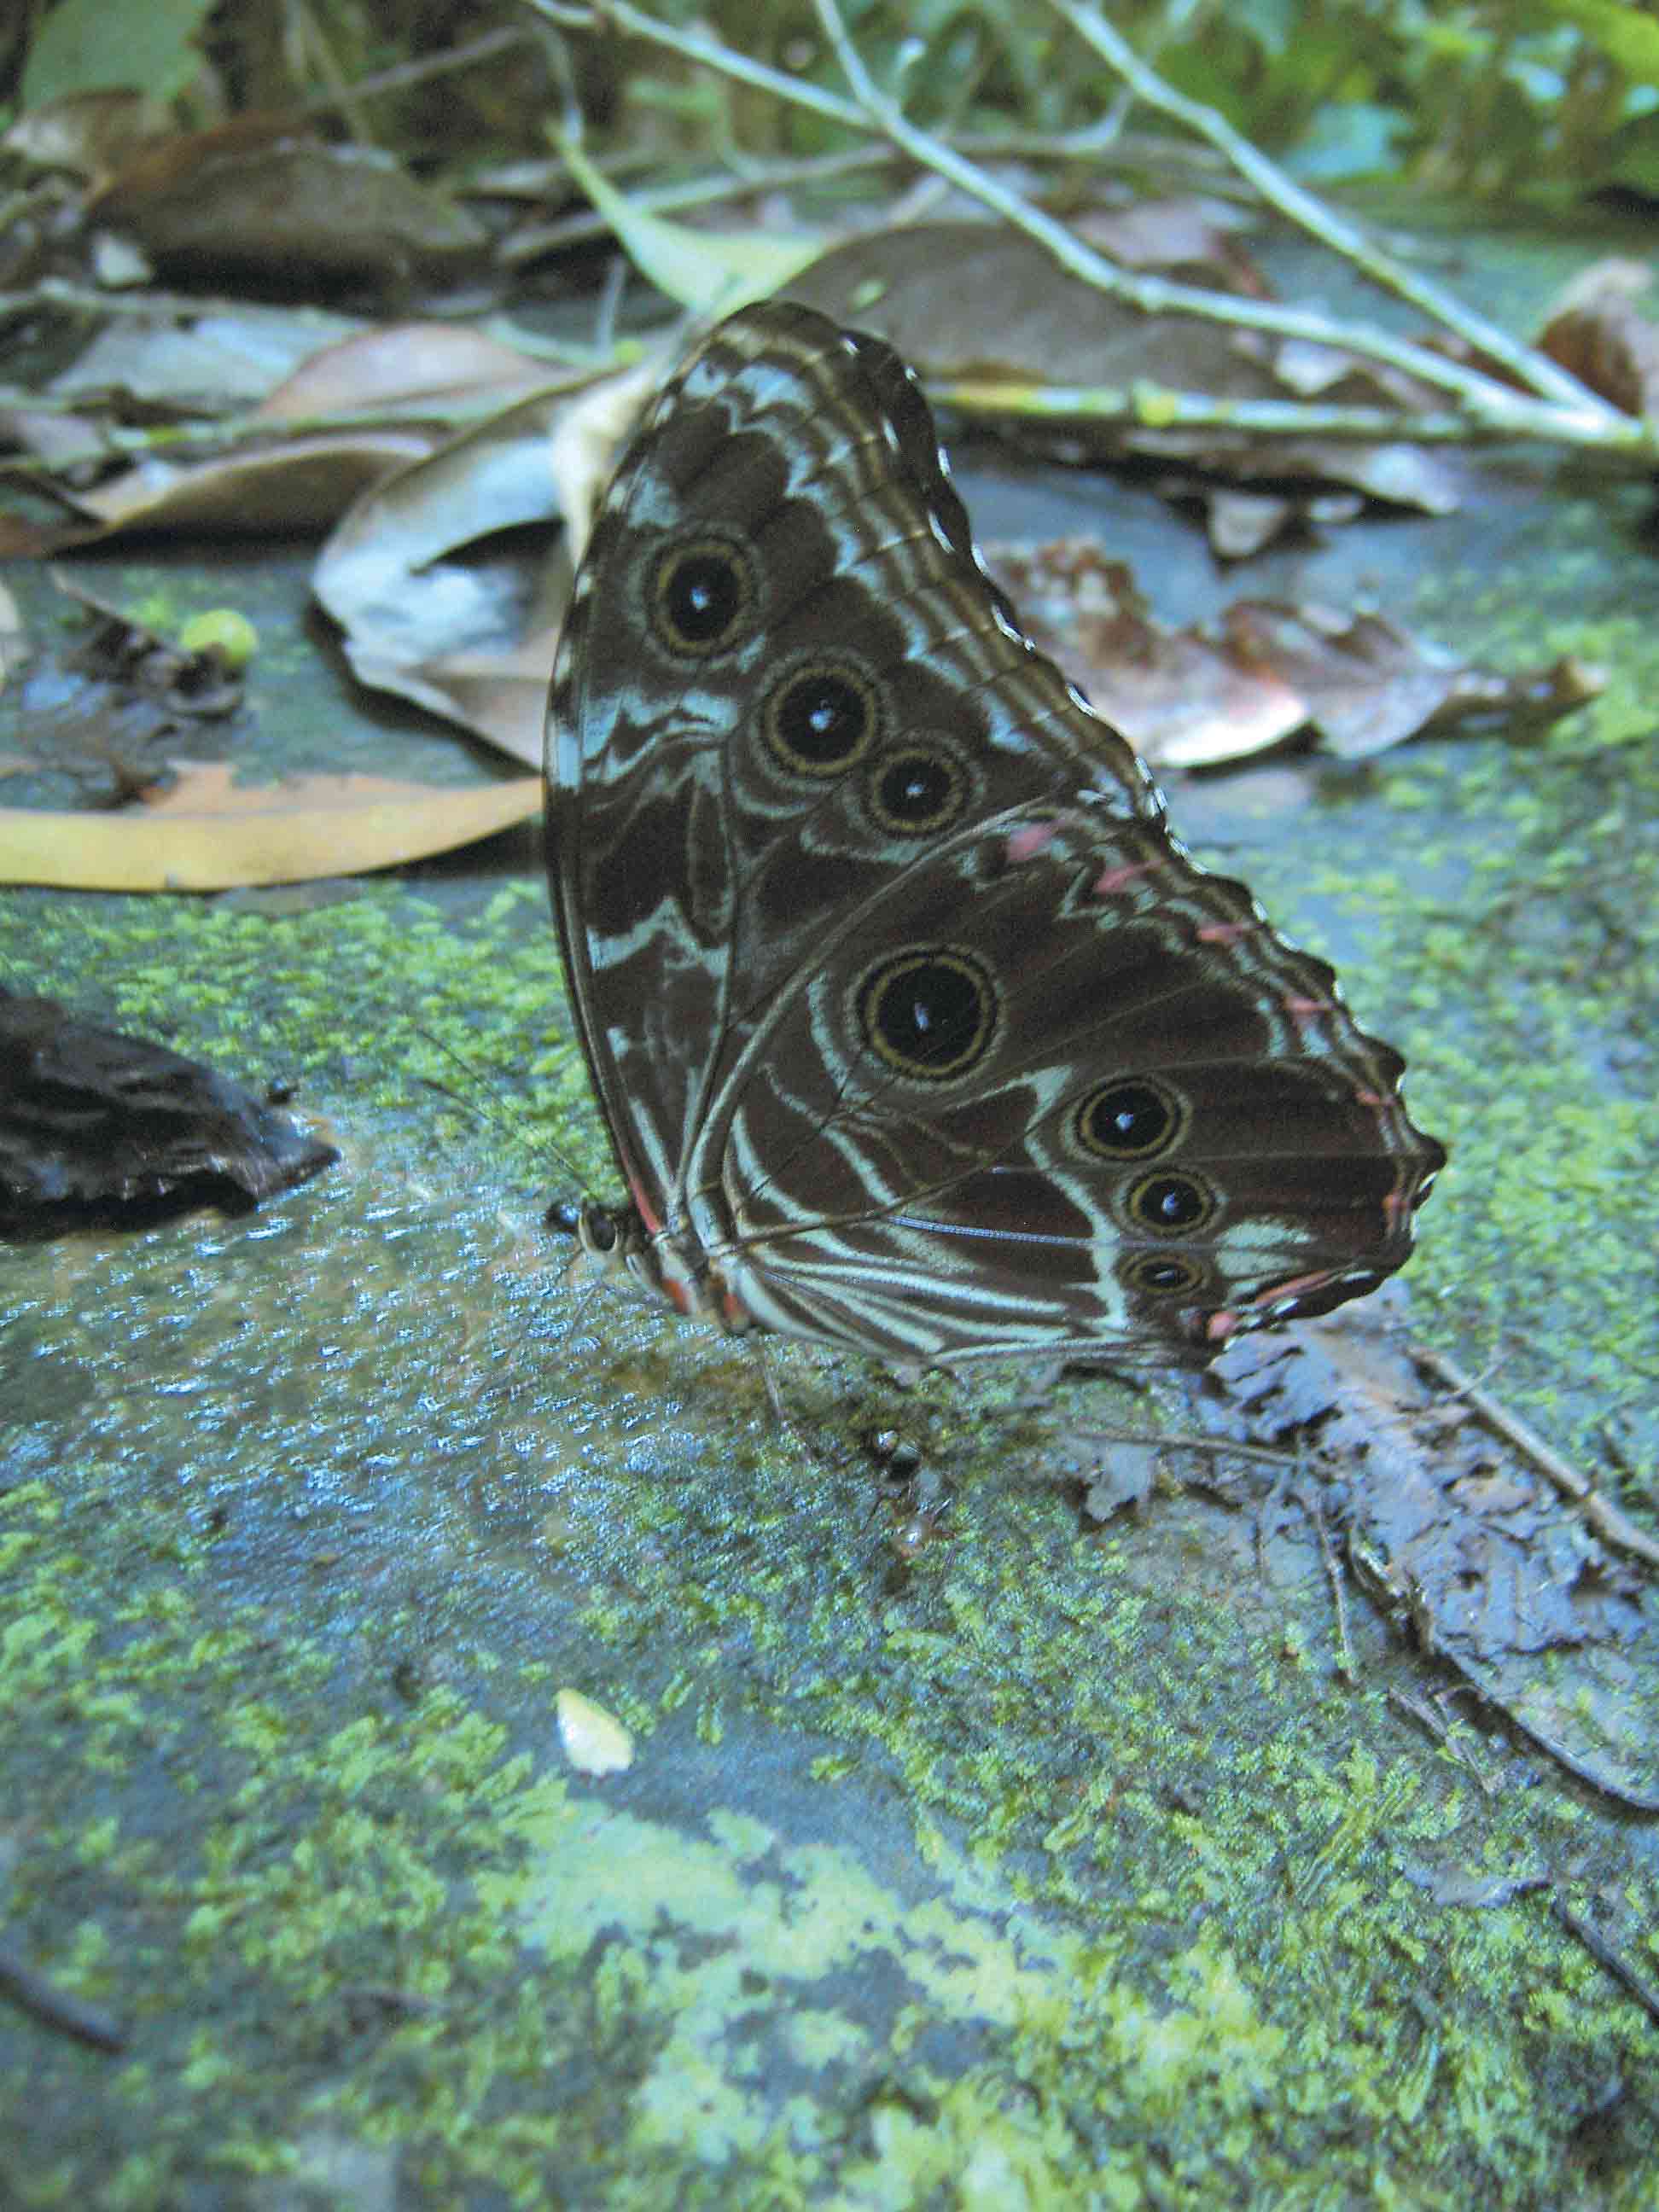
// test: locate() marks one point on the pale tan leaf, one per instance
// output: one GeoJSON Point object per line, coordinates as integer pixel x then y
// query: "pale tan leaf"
{"type": "Point", "coordinates": [209, 834]}
{"type": "Point", "coordinates": [595, 1742]}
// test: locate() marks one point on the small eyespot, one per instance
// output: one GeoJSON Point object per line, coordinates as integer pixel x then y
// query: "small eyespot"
{"type": "Point", "coordinates": [1169, 1205]}
{"type": "Point", "coordinates": [918, 790]}
{"type": "Point", "coordinates": [821, 719]}
{"type": "Point", "coordinates": [1162, 1275]}
{"type": "Point", "coordinates": [701, 597]}
{"type": "Point", "coordinates": [930, 1014]}
{"type": "Point", "coordinates": [1130, 1121]}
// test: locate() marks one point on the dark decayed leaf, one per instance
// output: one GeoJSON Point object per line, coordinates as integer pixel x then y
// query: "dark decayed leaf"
{"type": "Point", "coordinates": [98, 1125]}
{"type": "Point", "coordinates": [253, 196]}
{"type": "Point", "coordinates": [1467, 1545]}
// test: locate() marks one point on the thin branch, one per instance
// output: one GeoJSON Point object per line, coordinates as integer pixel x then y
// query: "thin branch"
{"type": "Point", "coordinates": [1572, 416]}
{"type": "Point", "coordinates": [1602, 1515]}
{"type": "Point", "coordinates": [1605, 1955]}
{"type": "Point", "coordinates": [1136, 152]}
{"type": "Point", "coordinates": [59, 2009]}
{"type": "Point", "coordinates": [698, 46]}
{"type": "Point", "coordinates": [1156, 407]}
{"type": "Point", "coordinates": [1154, 295]}
{"type": "Point", "coordinates": [1301, 208]}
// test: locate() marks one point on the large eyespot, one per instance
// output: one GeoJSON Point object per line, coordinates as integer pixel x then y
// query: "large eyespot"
{"type": "Point", "coordinates": [1171, 1205]}
{"type": "Point", "coordinates": [821, 719]}
{"type": "Point", "coordinates": [918, 789]}
{"type": "Point", "coordinates": [1129, 1121]}
{"type": "Point", "coordinates": [930, 1014]}
{"type": "Point", "coordinates": [701, 597]}
{"type": "Point", "coordinates": [1162, 1274]}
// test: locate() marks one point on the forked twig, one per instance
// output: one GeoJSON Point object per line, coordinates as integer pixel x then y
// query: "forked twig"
{"type": "Point", "coordinates": [1554, 407]}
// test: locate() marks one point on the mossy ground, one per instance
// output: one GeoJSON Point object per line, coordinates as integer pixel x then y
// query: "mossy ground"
{"type": "Point", "coordinates": [1048, 1865]}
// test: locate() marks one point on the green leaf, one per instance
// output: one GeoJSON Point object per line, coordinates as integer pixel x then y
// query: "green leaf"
{"type": "Point", "coordinates": [87, 45]}
{"type": "Point", "coordinates": [1629, 36]}
{"type": "Point", "coordinates": [706, 271]}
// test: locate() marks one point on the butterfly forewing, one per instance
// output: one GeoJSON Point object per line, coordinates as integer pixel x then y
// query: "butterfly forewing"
{"type": "Point", "coordinates": [914, 1031]}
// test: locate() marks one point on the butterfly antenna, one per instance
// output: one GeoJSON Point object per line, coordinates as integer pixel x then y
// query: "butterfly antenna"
{"type": "Point", "coordinates": [482, 1112]}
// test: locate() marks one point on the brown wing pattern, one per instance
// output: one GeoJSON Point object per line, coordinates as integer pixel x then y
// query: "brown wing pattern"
{"type": "Point", "coordinates": [905, 1011]}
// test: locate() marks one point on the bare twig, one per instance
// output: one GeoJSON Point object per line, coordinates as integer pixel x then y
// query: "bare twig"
{"type": "Point", "coordinates": [1155, 406]}
{"type": "Point", "coordinates": [1600, 1512]}
{"type": "Point", "coordinates": [1543, 375]}
{"type": "Point", "coordinates": [1345, 1663]}
{"type": "Point", "coordinates": [1604, 1954]}
{"type": "Point", "coordinates": [1555, 408]}
{"type": "Point", "coordinates": [57, 2008]}
{"type": "Point", "coordinates": [1217, 1447]}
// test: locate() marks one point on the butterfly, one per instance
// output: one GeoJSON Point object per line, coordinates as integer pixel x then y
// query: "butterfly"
{"type": "Point", "coordinates": [915, 1031]}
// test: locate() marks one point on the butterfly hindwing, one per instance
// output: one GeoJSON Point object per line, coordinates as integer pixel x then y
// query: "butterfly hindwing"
{"type": "Point", "coordinates": [915, 1030]}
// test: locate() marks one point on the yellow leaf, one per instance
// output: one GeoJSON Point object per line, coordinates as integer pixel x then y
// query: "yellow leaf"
{"type": "Point", "coordinates": [209, 835]}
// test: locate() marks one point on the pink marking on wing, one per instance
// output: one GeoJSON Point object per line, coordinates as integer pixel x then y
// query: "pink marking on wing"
{"type": "Point", "coordinates": [1223, 933]}
{"type": "Point", "coordinates": [644, 1208]}
{"type": "Point", "coordinates": [1025, 844]}
{"type": "Point", "coordinates": [1221, 1325]}
{"type": "Point", "coordinates": [1295, 1287]}
{"type": "Point", "coordinates": [1112, 880]}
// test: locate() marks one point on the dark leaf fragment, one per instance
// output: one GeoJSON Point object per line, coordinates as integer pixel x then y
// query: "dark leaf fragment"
{"type": "Point", "coordinates": [97, 1126]}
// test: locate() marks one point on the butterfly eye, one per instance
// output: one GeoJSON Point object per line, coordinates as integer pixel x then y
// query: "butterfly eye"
{"type": "Point", "coordinates": [701, 597]}
{"type": "Point", "coordinates": [918, 790]}
{"type": "Point", "coordinates": [598, 1229]}
{"type": "Point", "coordinates": [928, 1014]}
{"type": "Point", "coordinates": [1162, 1275]}
{"type": "Point", "coordinates": [1129, 1121]}
{"type": "Point", "coordinates": [1171, 1205]}
{"type": "Point", "coordinates": [821, 720]}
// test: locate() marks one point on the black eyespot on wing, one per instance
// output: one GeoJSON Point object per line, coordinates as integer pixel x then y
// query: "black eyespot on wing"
{"type": "Point", "coordinates": [701, 597]}
{"type": "Point", "coordinates": [822, 719]}
{"type": "Point", "coordinates": [1132, 1120]}
{"type": "Point", "coordinates": [918, 790]}
{"type": "Point", "coordinates": [1171, 1205]}
{"type": "Point", "coordinates": [930, 1013]}
{"type": "Point", "coordinates": [1162, 1275]}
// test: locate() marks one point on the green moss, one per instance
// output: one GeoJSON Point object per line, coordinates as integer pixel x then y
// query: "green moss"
{"type": "Point", "coordinates": [1052, 1859]}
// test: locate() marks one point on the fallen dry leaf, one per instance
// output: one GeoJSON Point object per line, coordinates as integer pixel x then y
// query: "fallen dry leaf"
{"type": "Point", "coordinates": [422, 369]}
{"type": "Point", "coordinates": [1598, 332]}
{"type": "Point", "coordinates": [1189, 698]}
{"type": "Point", "coordinates": [923, 288]}
{"type": "Point", "coordinates": [444, 594]}
{"type": "Point", "coordinates": [301, 484]}
{"type": "Point", "coordinates": [208, 833]}
{"type": "Point", "coordinates": [1469, 1548]}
